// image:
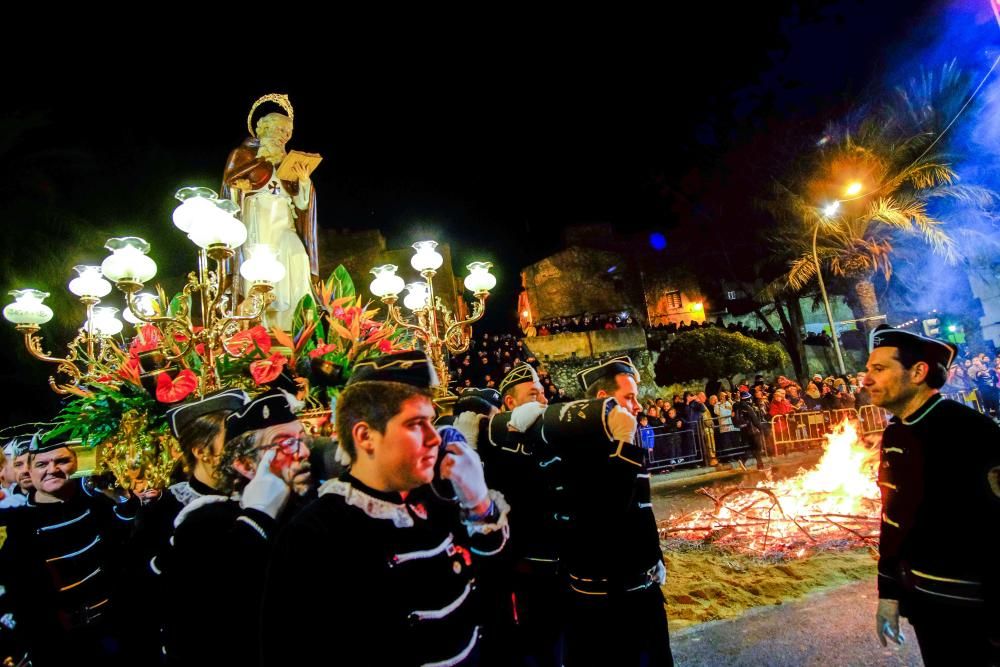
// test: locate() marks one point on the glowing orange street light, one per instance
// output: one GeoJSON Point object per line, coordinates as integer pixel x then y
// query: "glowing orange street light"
{"type": "Point", "coordinates": [853, 189]}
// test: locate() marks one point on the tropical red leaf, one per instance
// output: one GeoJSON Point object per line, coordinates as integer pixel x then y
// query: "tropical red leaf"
{"type": "Point", "coordinates": [243, 342]}
{"type": "Point", "coordinates": [266, 370]}
{"type": "Point", "coordinates": [146, 340]}
{"type": "Point", "coordinates": [171, 391]}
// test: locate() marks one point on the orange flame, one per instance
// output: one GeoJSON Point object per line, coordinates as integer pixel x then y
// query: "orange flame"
{"type": "Point", "coordinates": [835, 502]}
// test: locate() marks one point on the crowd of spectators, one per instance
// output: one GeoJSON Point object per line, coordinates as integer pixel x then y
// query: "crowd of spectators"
{"type": "Point", "coordinates": [976, 377]}
{"type": "Point", "coordinates": [673, 328]}
{"type": "Point", "coordinates": [579, 323]}
{"type": "Point", "coordinates": [490, 357]}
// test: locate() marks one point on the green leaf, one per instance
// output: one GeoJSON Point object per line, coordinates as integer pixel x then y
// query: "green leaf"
{"type": "Point", "coordinates": [340, 283]}
{"type": "Point", "coordinates": [305, 313]}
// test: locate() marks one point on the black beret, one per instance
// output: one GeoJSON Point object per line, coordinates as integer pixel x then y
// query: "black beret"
{"type": "Point", "coordinates": [180, 416]}
{"type": "Point", "coordinates": [480, 401]}
{"type": "Point", "coordinates": [411, 367]}
{"type": "Point", "coordinates": [931, 350]}
{"type": "Point", "coordinates": [39, 445]}
{"type": "Point", "coordinates": [607, 369]}
{"type": "Point", "coordinates": [268, 409]}
{"type": "Point", "coordinates": [520, 373]}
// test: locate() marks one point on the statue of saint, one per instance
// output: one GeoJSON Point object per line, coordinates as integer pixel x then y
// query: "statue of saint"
{"type": "Point", "coordinates": [277, 211]}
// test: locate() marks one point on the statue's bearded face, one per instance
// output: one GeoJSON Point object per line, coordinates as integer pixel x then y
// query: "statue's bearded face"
{"type": "Point", "coordinates": [274, 130]}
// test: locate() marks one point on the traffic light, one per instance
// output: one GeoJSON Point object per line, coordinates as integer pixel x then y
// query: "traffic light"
{"type": "Point", "coordinates": [956, 334]}
{"type": "Point", "coordinates": [932, 327]}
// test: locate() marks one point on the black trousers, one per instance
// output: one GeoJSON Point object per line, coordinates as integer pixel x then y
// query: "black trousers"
{"type": "Point", "coordinates": [528, 631]}
{"type": "Point", "coordinates": [950, 635]}
{"type": "Point", "coordinates": [623, 630]}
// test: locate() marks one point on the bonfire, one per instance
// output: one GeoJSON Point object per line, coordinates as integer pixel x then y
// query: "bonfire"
{"type": "Point", "coordinates": [835, 505]}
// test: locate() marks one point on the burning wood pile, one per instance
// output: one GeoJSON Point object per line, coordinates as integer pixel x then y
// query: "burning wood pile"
{"type": "Point", "coordinates": [835, 505]}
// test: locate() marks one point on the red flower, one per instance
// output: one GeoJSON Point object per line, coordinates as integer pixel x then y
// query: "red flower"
{"type": "Point", "coordinates": [147, 340]}
{"type": "Point", "coordinates": [321, 350]}
{"type": "Point", "coordinates": [171, 391]}
{"type": "Point", "coordinates": [385, 345]}
{"type": "Point", "coordinates": [265, 370]}
{"type": "Point", "coordinates": [338, 312]}
{"type": "Point", "coordinates": [244, 341]}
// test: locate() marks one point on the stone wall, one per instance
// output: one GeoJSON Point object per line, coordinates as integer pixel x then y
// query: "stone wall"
{"type": "Point", "coordinates": [565, 355]}
{"type": "Point", "coordinates": [576, 281]}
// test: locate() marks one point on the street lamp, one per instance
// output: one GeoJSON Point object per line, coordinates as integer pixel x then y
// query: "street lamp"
{"type": "Point", "coordinates": [829, 210]}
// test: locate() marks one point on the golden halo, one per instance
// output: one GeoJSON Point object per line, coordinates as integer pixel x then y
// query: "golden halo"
{"type": "Point", "coordinates": [279, 99]}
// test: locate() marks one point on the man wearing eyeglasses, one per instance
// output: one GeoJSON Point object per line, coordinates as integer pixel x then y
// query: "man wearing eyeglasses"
{"type": "Point", "coordinates": [397, 565]}
{"type": "Point", "coordinates": [221, 542]}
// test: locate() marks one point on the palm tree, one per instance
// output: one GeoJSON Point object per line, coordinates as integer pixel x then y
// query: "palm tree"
{"type": "Point", "coordinates": [894, 154]}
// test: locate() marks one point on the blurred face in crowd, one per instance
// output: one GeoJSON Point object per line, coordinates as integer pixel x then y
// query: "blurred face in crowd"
{"type": "Point", "coordinates": [525, 392]}
{"type": "Point", "coordinates": [51, 471]}
{"type": "Point", "coordinates": [712, 400]}
{"type": "Point", "coordinates": [22, 472]}
{"type": "Point", "coordinates": [626, 394]}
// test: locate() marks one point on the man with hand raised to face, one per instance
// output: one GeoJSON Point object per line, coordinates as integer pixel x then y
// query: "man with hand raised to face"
{"type": "Point", "coordinates": [611, 552]}
{"type": "Point", "coordinates": [393, 565]}
{"type": "Point", "coordinates": [222, 540]}
{"type": "Point", "coordinates": [940, 481]}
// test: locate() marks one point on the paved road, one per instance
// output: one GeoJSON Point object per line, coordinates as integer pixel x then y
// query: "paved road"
{"type": "Point", "coordinates": [830, 629]}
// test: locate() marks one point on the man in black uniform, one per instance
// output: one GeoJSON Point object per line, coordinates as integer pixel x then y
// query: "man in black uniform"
{"type": "Point", "coordinates": [611, 553]}
{"type": "Point", "coordinates": [392, 565]}
{"type": "Point", "coordinates": [528, 585]}
{"type": "Point", "coordinates": [66, 546]}
{"type": "Point", "coordinates": [221, 543]}
{"type": "Point", "coordinates": [940, 506]}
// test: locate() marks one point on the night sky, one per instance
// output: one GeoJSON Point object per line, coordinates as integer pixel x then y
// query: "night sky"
{"type": "Point", "coordinates": [491, 142]}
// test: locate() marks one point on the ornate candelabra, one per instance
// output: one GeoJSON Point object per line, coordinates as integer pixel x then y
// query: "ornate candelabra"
{"type": "Point", "coordinates": [435, 326]}
{"type": "Point", "coordinates": [211, 224]}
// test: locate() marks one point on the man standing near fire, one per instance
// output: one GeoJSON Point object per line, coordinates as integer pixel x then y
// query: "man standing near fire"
{"type": "Point", "coordinates": [940, 506]}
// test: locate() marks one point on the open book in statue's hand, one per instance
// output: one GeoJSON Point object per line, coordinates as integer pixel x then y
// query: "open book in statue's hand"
{"type": "Point", "coordinates": [298, 165]}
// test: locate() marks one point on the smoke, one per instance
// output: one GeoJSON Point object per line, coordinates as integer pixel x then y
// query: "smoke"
{"type": "Point", "coordinates": [968, 33]}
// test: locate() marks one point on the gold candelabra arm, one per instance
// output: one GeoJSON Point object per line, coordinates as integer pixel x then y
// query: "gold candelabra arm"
{"type": "Point", "coordinates": [159, 320]}
{"type": "Point", "coordinates": [262, 296]}
{"type": "Point", "coordinates": [456, 327]}
{"type": "Point", "coordinates": [396, 315]}
{"type": "Point", "coordinates": [67, 365]}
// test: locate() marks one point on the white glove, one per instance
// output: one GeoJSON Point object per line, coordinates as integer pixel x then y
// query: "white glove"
{"type": "Point", "coordinates": [467, 424]}
{"type": "Point", "coordinates": [524, 416]}
{"type": "Point", "coordinates": [887, 622]}
{"type": "Point", "coordinates": [462, 466]}
{"type": "Point", "coordinates": [622, 424]}
{"type": "Point", "coordinates": [266, 492]}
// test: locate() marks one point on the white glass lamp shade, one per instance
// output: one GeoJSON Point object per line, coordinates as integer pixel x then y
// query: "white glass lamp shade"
{"type": "Point", "coordinates": [146, 305]}
{"type": "Point", "coordinates": [426, 257]}
{"type": "Point", "coordinates": [128, 260]}
{"type": "Point", "coordinates": [262, 266]}
{"type": "Point", "coordinates": [386, 282]}
{"type": "Point", "coordinates": [417, 296]}
{"type": "Point", "coordinates": [90, 282]}
{"type": "Point", "coordinates": [28, 307]}
{"type": "Point", "coordinates": [480, 279]}
{"type": "Point", "coordinates": [196, 205]}
{"type": "Point", "coordinates": [104, 321]}
{"type": "Point", "coordinates": [219, 229]}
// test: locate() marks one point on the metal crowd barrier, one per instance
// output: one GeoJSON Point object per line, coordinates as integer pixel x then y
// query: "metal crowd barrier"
{"type": "Point", "coordinates": [969, 398]}
{"type": "Point", "coordinates": [668, 448]}
{"type": "Point", "coordinates": [807, 429]}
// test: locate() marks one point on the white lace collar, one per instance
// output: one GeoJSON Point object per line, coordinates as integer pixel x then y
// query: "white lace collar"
{"type": "Point", "coordinates": [374, 507]}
